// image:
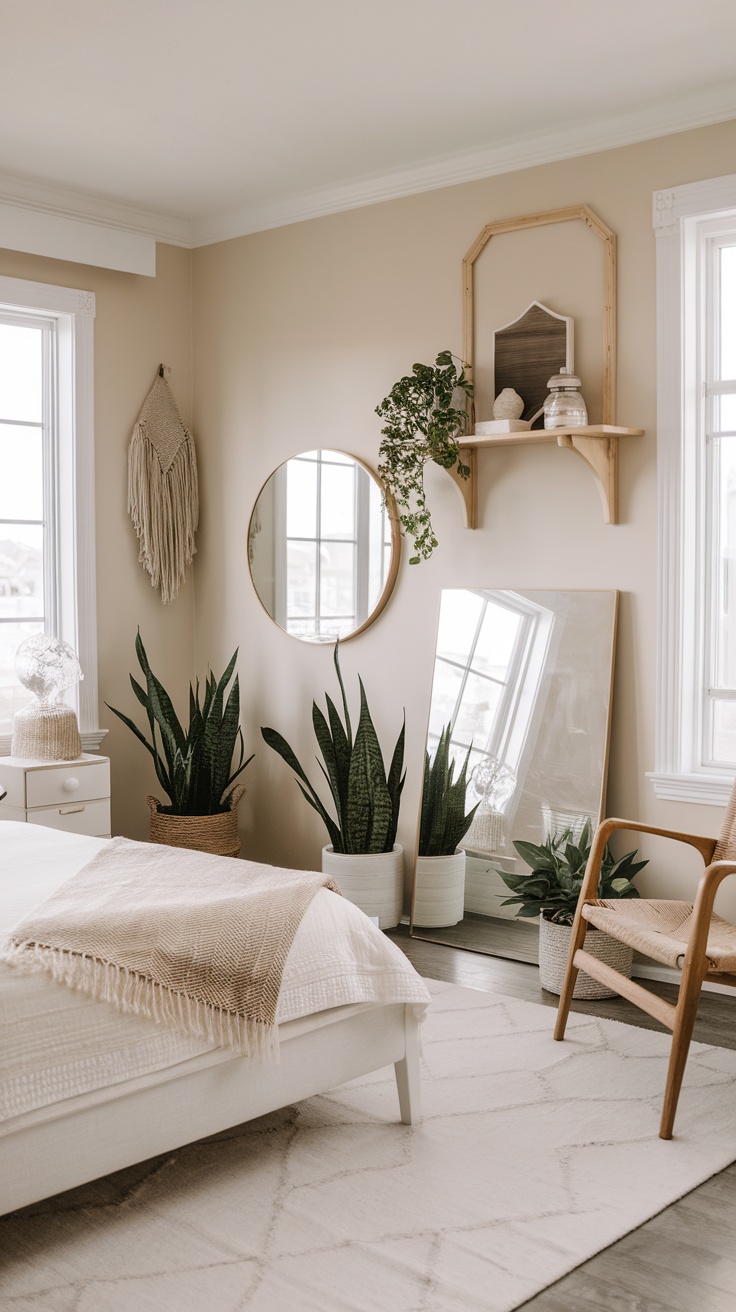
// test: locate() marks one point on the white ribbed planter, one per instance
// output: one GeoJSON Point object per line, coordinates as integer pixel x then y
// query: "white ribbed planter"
{"type": "Point", "coordinates": [439, 890]}
{"type": "Point", "coordinates": [375, 883]}
{"type": "Point", "coordinates": [554, 948]}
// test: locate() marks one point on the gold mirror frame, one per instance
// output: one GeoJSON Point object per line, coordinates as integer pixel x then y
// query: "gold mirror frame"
{"type": "Point", "coordinates": [395, 561]}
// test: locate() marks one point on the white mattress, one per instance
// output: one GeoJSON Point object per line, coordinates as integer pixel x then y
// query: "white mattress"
{"type": "Point", "coordinates": [57, 1044]}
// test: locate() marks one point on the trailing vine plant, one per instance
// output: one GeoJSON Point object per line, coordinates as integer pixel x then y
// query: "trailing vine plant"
{"type": "Point", "coordinates": [422, 424]}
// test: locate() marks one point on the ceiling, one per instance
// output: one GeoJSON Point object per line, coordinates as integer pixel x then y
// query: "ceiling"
{"type": "Point", "coordinates": [196, 121]}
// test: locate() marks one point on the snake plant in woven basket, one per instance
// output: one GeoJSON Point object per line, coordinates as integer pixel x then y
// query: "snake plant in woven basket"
{"type": "Point", "coordinates": [444, 821]}
{"type": "Point", "coordinates": [194, 768]}
{"type": "Point", "coordinates": [556, 877]}
{"type": "Point", "coordinates": [366, 800]}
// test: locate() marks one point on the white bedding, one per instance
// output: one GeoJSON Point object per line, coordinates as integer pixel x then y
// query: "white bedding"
{"type": "Point", "coordinates": [57, 1044]}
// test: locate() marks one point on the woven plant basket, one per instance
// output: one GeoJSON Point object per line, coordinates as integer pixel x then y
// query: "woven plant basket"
{"type": "Point", "coordinates": [374, 882]}
{"type": "Point", "coordinates": [554, 948]}
{"type": "Point", "coordinates": [217, 834]}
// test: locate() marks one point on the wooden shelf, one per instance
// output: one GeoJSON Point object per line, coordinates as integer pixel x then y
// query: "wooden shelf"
{"type": "Point", "coordinates": [596, 444]}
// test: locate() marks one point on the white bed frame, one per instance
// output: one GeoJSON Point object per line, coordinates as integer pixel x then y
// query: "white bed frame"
{"type": "Point", "coordinates": [56, 1148]}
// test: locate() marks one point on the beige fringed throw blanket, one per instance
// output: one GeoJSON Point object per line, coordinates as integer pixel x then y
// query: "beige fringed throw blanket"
{"type": "Point", "coordinates": [194, 941]}
{"type": "Point", "coordinates": [163, 493]}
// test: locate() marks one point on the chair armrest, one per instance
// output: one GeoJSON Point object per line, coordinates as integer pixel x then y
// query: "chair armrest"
{"type": "Point", "coordinates": [705, 846]}
{"type": "Point", "coordinates": [602, 834]}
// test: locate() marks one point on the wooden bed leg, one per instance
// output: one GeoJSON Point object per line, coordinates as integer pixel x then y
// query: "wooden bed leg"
{"type": "Point", "coordinates": [407, 1072]}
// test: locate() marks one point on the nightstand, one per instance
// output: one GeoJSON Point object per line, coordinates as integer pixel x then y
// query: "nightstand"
{"type": "Point", "coordinates": [71, 795]}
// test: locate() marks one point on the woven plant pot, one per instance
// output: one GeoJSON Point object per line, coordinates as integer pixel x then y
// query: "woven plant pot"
{"type": "Point", "coordinates": [439, 890]}
{"type": "Point", "coordinates": [217, 834]}
{"type": "Point", "coordinates": [374, 882]}
{"type": "Point", "coordinates": [554, 949]}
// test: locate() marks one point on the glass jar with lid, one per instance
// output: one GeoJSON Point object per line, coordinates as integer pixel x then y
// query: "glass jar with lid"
{"type": "Point", "coordinates": [564, 407]}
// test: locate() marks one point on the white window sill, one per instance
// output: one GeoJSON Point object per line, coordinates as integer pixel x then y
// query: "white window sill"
{"type": "Point", "coordinates": [91, 741]}
{"type": "Point", "coordinates": [704, 789]}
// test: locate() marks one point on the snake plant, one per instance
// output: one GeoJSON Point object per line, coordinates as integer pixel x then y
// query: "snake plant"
{"type": "Point", "coordinates": [444, 821]}
{"type": "Point", "coordinates": [365, 799]}
{"type": "Point", "coordinates": [555, 879]}
{"type": "Point", "coordinates": [194, 768]}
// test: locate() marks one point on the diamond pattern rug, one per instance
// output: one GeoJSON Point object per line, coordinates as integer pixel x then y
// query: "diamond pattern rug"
{"type": "Point", "coordinates": [532, 1156]}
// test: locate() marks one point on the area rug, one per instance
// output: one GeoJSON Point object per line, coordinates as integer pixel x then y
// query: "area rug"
{"type": "Point", "coordinates": [532, 1156]}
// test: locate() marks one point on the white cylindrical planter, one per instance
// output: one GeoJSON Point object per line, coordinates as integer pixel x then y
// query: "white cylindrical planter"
{"type": "Point", "coordinates": [375, 882]}
{"type": "Point", "coordinates": [439, 890]}
{"type": "Point", "coordinates": [554, 949]}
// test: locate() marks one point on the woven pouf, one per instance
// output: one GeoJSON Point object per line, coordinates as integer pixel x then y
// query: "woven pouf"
{"type": "Point", "coordinates": [217, 834]}
{"type": "Point", "coordinates": [46, 733]}
{"type": "Point", "coordinates": [554, 949]}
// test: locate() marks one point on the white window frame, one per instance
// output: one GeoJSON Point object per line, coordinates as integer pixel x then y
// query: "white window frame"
{"type": "Point", "coordinates": [76, 601]}
{"type": "Point", "coordinates": [683, 217]}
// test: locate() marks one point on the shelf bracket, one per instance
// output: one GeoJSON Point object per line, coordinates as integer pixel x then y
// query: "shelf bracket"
{"type": "Point", "coordinates": [468, 487]}
{"type": "Point", "coordinates": [601, 456]}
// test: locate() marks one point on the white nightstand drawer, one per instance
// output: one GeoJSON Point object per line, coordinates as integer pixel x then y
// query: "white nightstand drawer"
{"type": "Point", "coordinates": [78, 781]}
{"type": "Point", "coordinates": [76, 817]}
{"type": "Point", "coordinates": [14, 783]}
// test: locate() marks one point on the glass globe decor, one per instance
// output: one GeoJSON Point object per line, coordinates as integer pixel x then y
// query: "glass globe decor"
{"type": "Point", "coordinates": [494, 783]}
{"type": "Point", "coordinates": [46, 729]}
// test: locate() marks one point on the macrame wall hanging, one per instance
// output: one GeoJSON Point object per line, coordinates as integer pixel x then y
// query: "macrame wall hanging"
{"type": "Point", "coordinates": [163, 495]}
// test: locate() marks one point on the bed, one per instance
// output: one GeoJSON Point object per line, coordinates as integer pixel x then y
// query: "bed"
{"type": "Point", "coordinates": [86, 1090]}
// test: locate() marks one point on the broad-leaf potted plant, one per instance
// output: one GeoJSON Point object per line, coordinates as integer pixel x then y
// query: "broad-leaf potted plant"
{"type": "Point", "coordinates": [362, 855]}
{"type": "Point", "coordinates": [439, 883]}
{"type": "Point", "coordinates": [551, 890]}
{"type": "Point", "coordinates": [194, 766]}
{"type": "Point", "coordinates": [422, 423]}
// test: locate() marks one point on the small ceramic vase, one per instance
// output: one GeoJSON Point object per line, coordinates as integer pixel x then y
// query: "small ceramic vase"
{"type": "Point", "coordinates": [508, 405]}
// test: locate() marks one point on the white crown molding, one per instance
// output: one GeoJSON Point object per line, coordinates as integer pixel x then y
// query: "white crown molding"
{"type": "Point", "coordinates": [588, 136]}
{"type": "Point", "coordinates": [68, 203]}
{"type": "Point", "coordinates": [643, 123]}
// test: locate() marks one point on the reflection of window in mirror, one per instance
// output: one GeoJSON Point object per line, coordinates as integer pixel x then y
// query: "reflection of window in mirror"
{"type": "Point", "coordinates": [493, 650]}
{"type": "Point", "coordinates": [331, 546]}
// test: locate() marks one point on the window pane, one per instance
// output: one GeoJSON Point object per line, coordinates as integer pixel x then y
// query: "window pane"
{"type": "Point", "coordinates": [477, 711]}
{"type": "Point", "coordinates": [724, 508]}
{"type": "Point", "coordinates": [21, 480]}
{"type": "Point", "coordinates": [496, 641]}
{"type": "Point", "coordinates": [301, 579]}
{"type": "Point", "coordinates": [13, 696]}
{"type": "Point", "coordinates": [724, 414]}
{"type": "Point", "coordinates": [337, 458]}
{"type": "Point", "coordinates": [21, 571]}
{"type": "Point", "coordinates": [459, 615]}
{"type": "Point", "coordinates": [724, 732]}
{"type": "Point", "coordinates": [20, 373]}
{"type": "Point", "coordinates": [337, 579]}
{"type": "Point", "coordinates": [728, 312]}
{"type": "Point", "coordinates": [338, 501]}
{"type": "Point", "coordinates": [445, 692]}
{"type": "Point", "coordinates": [301, 499]}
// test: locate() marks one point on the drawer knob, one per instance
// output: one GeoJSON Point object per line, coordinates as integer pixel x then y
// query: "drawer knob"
{"type": "Point", "coordinates": [71, 784]}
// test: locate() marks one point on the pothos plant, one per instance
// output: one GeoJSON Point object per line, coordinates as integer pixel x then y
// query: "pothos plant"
{"type": "Point", "coordinates": [422, 424]}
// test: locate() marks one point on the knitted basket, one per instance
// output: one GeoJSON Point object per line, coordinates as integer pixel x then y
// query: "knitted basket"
{"type": "Point", "coordinates": [554, 948]}
{"type": "Point", "coordinates": [217, 834]}
{"type": "Point", "coordinates": [46, 733]}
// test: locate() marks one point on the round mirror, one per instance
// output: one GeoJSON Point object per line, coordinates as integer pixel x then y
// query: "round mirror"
{"type": "Point", "coordinates": [323, 546]}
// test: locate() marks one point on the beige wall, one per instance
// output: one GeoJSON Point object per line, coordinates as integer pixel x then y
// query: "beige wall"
{"type": "Point", "coordinates": [298, 333]}
{"type": "Point", "coordinates": [139, 323]}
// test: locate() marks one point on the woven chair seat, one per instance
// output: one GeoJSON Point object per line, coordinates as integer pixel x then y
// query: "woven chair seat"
{"type": "Point", "coordinates": [661, 929]}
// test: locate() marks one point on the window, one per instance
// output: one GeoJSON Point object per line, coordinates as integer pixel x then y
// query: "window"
{"type": "Point", "coordinates": [696, 434]}
{"type": "Point", "coordinates": [47, 576]}
{"type": "Point", "coordinates": [333, 545]}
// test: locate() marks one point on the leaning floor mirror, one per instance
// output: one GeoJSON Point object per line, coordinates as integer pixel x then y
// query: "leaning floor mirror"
{"type": "Point", "coordinates": [520, 709]}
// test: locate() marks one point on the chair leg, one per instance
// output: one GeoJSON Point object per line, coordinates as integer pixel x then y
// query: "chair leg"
{"type": "Point", "coordinates": [687, 1009]}
{"type": "Point", "coordinates": [577, 938]}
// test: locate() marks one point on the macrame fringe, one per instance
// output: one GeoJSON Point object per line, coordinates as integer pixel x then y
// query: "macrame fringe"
{"type": "Point", "coordinates": [164, 508]}
{"type": "Point", "coordinates": [137, 994]}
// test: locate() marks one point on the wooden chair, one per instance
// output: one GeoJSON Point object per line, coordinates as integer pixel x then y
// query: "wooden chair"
{"type": "Point", "coordinates": [682, 934]}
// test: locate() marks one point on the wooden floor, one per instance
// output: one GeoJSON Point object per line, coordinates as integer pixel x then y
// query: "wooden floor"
{"type": "Point", "coordinates": [683, 1259]}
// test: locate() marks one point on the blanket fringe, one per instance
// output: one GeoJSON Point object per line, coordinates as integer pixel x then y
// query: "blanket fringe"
{"type": "Point", "coordinates": [133, 992]}
{"type": "Point", "coordinates": [164, 507]}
